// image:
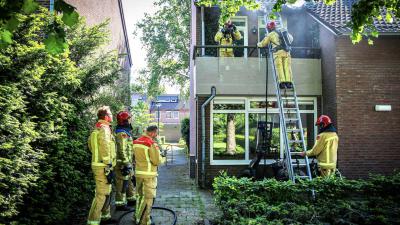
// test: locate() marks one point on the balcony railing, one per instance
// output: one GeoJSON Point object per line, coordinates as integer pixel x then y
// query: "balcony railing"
{"type": "Point", "coordinates": [254, 51]}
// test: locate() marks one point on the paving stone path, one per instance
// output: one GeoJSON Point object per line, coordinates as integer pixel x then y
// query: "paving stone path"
{"type": "Point", "coordinates": [178, 192]}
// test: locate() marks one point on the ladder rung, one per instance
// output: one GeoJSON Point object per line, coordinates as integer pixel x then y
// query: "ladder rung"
{"type": "Point", "coordinates": [293, 130]}
{"type": "Point", "coordinates": [295, 153]}
{"type": "Point", "coordinates": [288, 97]}
{"type": "Point", "coordinates": [291, 109]}
{"type": "Point", "coordinates": [299, 164]}
{"type": "Point", "coordinates": [289, 120]}
{"type": "Point", "coordinates": [302, 177]}
{"type": "Point", "coordinates": [295, 141]}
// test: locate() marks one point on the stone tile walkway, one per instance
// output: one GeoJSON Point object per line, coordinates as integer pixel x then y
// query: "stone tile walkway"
{"type": "Point", "coordinates": [178, 192]}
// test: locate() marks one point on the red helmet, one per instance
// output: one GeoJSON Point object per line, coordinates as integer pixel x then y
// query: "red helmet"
{"type": "Point", "coordinates": [323, 121]}
{"type": "Point", "coordinates": [122, 117]}
{"type": "Point", "coordinates": [271, 25]}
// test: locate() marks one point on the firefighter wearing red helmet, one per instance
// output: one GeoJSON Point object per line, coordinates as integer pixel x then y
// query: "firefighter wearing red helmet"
{"type": "Point", "coordinates": [325, 147]}
{"type": "Point", "coordinates": [225, 37]}
{"type": "Point", "coordinates": [124, 187]}
{"type": "Point", "coordinates": [281, 54]}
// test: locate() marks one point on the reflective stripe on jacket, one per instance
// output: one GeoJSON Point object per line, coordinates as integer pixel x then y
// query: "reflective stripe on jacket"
{"type": "Point", "coordinates": [147, 157]}
{"type": "Point", "coordinates": [101, 144]}
{"type": "Point", "coordinates": [124, 148]}
{"type": "Point", "coordinates": [227, 41]}
{"type": "Point", "coordinates": [325, 149]}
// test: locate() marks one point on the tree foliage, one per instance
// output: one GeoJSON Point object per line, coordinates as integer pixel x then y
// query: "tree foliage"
{"type": "Point", "coordinates": [47, 103]}
{"type": "Point", "coordinates": [165, 36]}
{"type": "Point", "coordinates": [15, 12]}
{"type": "Point", "coordinates": [363, 13]}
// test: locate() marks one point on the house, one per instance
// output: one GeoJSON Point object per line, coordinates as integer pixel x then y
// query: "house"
{"type": "Point", "coordinates": [348, 82]}
{"type": "Point", "coordinates": [169, 110]}
{"type": "Point", "coordinates": [96, 13]}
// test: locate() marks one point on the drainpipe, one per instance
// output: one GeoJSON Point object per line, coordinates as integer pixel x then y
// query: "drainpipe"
{"type": "Point", "coordinates": [203, 134]}
{"type": "Point", "coordinates": [203, 35]}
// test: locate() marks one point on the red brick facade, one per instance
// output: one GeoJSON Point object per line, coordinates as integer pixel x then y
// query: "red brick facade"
{"type": "Point", "coordinates": [367, 76]}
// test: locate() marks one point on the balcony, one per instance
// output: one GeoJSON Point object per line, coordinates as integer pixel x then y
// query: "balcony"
{"type": "Point", "coordinates": [246, 75]}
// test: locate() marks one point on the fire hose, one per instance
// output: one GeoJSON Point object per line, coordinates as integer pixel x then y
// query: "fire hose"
{"type": "Point", "coordinates": [154, 207]}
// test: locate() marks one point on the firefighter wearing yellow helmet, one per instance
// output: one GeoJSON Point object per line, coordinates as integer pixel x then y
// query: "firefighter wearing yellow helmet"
{"type": "Point", "coordinates": [147, 159]}
{"type": "Point", "coordinates": [325, 147]}
{"type": "Point", "coordinates": [282, 56]}
{"type": "Point", "coordinates": [226, 37]}
{"type": "Point", "coordinates": [102, 146]}
{"type": "Point", "coordinates": [123, 185]}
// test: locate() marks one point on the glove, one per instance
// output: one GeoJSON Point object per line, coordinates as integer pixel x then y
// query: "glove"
{"type": "Point", "coordinates": [234, 27]}
{"type": "Point", "coordinates": [126, 170]}
{"type": "Point", "coordinates": [110, 175]}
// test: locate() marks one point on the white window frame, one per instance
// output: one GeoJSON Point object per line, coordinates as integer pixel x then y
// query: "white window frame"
{"type": "Point", "coordinates": [245, 30]}
{"type": "Point", "coordinates": [175, 114]}
{"type": "Point", "coordinates": [246, 112]}
{"type": "Point", "coordinates": [157, 114]}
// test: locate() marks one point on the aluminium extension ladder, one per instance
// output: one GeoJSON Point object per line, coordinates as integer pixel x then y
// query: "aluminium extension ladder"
{"type": "Point", "coordinates": [290, 120]}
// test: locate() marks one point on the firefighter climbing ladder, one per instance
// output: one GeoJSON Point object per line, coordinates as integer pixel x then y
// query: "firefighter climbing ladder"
{"type": "Point", "coordinates": [289, 114]}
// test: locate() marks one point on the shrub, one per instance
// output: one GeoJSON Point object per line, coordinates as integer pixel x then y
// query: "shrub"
{"type": "Point", "coordinates": [337, 201]}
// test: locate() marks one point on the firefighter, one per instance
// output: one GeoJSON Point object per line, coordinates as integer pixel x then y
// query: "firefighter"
{"type": "Point", "coordinates": [325, 147]}
{"type": "Point", "coordinates": [147, 158]}
{"type": "Point", "coordinates": [282, 57]}
{"type": "Point", "coordinates": [225, 37]}
{"type": "Point", "coordinates": [102, 146]}
{"type": "Point", "coordinates": [124, 187]}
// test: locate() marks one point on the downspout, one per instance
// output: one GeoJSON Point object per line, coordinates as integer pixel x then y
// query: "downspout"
{"type": "Point", "coordinates": [51, 8]}
{"type": "Point", "coordinates": [203, 134]}
{"type": "Point", "coordinates": [203, 32]}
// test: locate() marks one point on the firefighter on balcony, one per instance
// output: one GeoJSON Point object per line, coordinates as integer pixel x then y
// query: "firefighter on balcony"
{"type": "Point", "coordinates": [280, 49]}
{"type": "Point", "coordinates": [123, 184]}
{"type": "Point", "coordinates": [102, 146]}
{"type": "Point", "coordinates": [147, 159]}
{"type": "Point", "coordinates": [225, 37]}
{"type": "Point", "coordinates": [325, 147]}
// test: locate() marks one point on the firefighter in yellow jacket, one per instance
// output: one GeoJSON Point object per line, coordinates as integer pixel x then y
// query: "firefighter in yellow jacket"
{"type": "Point", "coordinates": [325, 147]}
{"type": "Point", "coordinates": [124, 188]}
{"type": "Point", "coordinates": [147, 158]}
{"type": "Point", "coordinates": [225, 37]}
{"type": "Point", "coordinates": [282, 57]}
{"type": "Point", "coordinates": [102, 146]}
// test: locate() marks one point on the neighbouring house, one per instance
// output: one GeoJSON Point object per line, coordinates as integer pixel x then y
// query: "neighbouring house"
{"type": "Point", "coordinates": [96, 12]}
{"type": "Point", "coordinates": [169, 110]}
{"type": "Point", "coordinates": [350, 83]}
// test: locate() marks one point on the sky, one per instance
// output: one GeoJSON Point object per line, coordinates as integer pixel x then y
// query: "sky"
{"type": "Point", "coordinates": [134, 11]}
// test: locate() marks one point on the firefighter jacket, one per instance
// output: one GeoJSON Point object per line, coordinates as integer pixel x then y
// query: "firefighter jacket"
{"type": "Point", "coordinates": [147, 157]}
{"type": "Point", "coordinates": [325, 149]}
{"type": "Point", "coordinates": [273, 38]}
{"type": "Point", "coordinates": [227, 40]}
{"type": "Point", "coordinates": [102, 145]}
{"type": "Point", "coordinates": [124, 146]}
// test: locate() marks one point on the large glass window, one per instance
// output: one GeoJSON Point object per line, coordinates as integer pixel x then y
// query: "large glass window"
{"type": "Point", "coordinates": [229, 136]}
{"type": "Point", "coordinates": [237, 128]}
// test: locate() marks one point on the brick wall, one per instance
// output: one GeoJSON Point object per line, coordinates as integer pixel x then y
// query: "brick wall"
{"type": "Point", "coordinates": [367, 76]}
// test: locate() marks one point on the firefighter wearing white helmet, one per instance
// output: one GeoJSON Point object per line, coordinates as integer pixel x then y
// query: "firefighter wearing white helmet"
{"type": "Point", "coordinates": [325, 147]}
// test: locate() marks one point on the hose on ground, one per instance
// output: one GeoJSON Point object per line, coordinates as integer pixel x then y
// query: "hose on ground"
{"type": "Point", "coordinates": [154, 207]}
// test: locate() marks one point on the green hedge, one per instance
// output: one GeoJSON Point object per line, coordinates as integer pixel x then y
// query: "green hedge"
{"type": "Point", "coordinates": [338, 201]}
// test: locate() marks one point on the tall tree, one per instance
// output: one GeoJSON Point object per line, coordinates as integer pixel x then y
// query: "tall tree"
{"type": "Point", "coordinates": [166, 37]}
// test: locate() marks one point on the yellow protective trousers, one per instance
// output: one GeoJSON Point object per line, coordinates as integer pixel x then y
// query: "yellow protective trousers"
{"type": "Point", "coordinates": [146, 192]}
{"type": "Point", "coordinates": [226, 53]}
{"type": "Point", "coordinates": [124, 188]}
{"type": "Point", "coordinates": [100, 208]}
{"type": "Point", "coordinates": [326, 172]}
{"type": "Point", "coordinates": [283, 65]}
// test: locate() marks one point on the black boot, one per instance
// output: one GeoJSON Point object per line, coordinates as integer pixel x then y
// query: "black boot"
{"type": "Point", "coordinates": [132, 203]}
{"type": "Point", "coordinates": [282, 85]}
{"type": "Point", "coordinates": [289, 85]}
